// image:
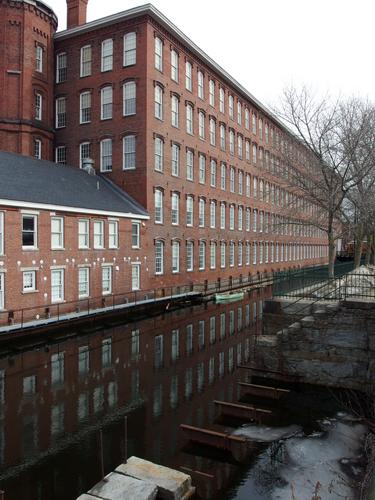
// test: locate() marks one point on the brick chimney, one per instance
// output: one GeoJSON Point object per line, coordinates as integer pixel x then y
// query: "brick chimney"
{"type": "Point", "coordinates": [76, 12]}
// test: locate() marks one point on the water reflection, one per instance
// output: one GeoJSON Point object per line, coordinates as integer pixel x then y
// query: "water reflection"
{"type": "Point", "coordinates": [160, 372]}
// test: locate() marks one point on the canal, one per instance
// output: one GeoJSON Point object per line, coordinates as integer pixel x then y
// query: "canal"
{"type": "Point", "coordinates": [158, 372]}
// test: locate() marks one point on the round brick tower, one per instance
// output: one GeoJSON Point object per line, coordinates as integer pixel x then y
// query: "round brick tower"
{"type": "Point", "coordinates": [27, 77]}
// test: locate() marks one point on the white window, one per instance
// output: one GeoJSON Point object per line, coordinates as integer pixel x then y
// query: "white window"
{"type": "Point", "coordinates": [83, 282]}
{"type": "Point", "coordinates": [240, 252]}
{"type": "Point", "coordinates": [175, 209]}
{"type": "Point", "coordinates": [200, 85]}
{"type": "Point", "coordinates": [232, 178]}
{"type": "Point", "coordinates": [201, 212]}
{"type": "Point", "coordinates": [113, 234]}
{"type": "Point", "coordinates": [136, 235]}
{"type": "Point", "coordinates": [136, 276]}
{"type": "Point", "coordinates": [222, 255]}
{"type": "Point", "coordinates": [189, 165]}
{"type": "Point", "coordinates": [85, 107]}
{"type": "Point", "coordinates": [61, 67]}
{"type": "Point", "coordinates": [260, 128]}
{"type": "Point", "coordinates": [248, 220]}
{"type": "Point", "coordinates": [231, 142]}
{"type": "Point", "coordinates": [106, 103]}
{"type": "Point", "coordinates": [239, 113]}
{"type": "Point", "coordinates": [189, 256]}
{"type": "Point", "coordinates": [158, 54]}
{"type": "Point", "coordinates": [212, 131]}
{"type": "Point", "coordinates": [159, 154]}
{"type": "Point", "coordinates": [57, 233]}
{"type": "Point", "coordinates": [222, 215]}
{"type": "Point", "coordinates": [29, 281]}
{"type": "Point", "coordinates": [86, 60]}
{"type": "Point", "coordinates": [231, 217]}
{"type": "Point", "coordinates": [255, 220]}
{"type": "Point", "coordinates": [189, 119]}
{"type": "Point", "coordinates": [38, 106]}
{"type": "Point", "coordinates": [175, 160]}
{"type": "Point", "coordinates": [213, 173]}
{"type": "Point", "coordinates": [222, 137]}
{"type": "Point", "coordinates": [37, 149]}
{"type": "Point", "coordinates": [211, 90]}
{"type": "Point", "coordinates": [158, 201]}
{"type": "Point", "coordinates": [231, 106]}
{"type": "Point", "coordinates": [213, 255]}
{"type": "Point", "coordinates": [188, 76]}
{"type": "Point", "coordinates": [254, 252]}
{"type": "Point", "coordinates": [240, 218]}
{"type": "Point", "coordinates": [1, 233]}
{"type": "Point", "coordinates": [29, 231]}
{"type": "Point", "coordinates": [57, 285]}
{"type": "Point", "coordinates": [175, 119]}
{"type": "Point", "coordinates": [106, 280]}
{"type": "Point", "coordinates": [247, 119]}
{"type": "Point", "coordinates": [223, 175]}
{"type": "Point", "coordinates": [175, 257]}
{"type": "Point", "coordinates": [231, 254]}
{"type": "Point", "coordinates": [254, 123]}
{"type": "Point", "coordinates": [202, 255]}
{"type": "Point", "coordinates": [189, 210]}
{"type": "Point", "coordinates": [202, 169]}
{"type": "Point", "coordinates": [240, 182]}
{"type": "Point", "coordinates": [159, 257]}
{"type": "Point", "coordinates": [83, 234]}
{"type": "Point", "coordinates": [98, 234]}
{"type": "Point", "coordinates": [247, 256]}
{"type": "Point", "coordinates": [106, 155]}
{"type": "Point", "coordinates": [129, 98]}
{"type": "Point", "coordinates": [212, 214]}
{"type": "Point", "coordinates": [222, 100]}
{"type": "Point", "coordinates": [201, 120]}
{"type": "Point", "coordinates": [239, 146]}
{"type": "Point", "coordinates": [130, 49]}
{"type": "Point", "coordinates": [2, 290]}
{"type": "Point", "coordinates": [158, 102]}
{"type": "Point", "coordinates": [247, 150]}
{"type": "Point", "coordinates": [39, 58]}
{"type": "Point", "coordinates": [107, 55]}
{"type": "Point", "coordinates": [174, 65]}
{"type": "Point", "coordinates": [129, 152]}
{"type": "Point", "coordinates": [248, 185]}
{"type": "Point", "coordinates": [60, 120]}
{"type": "Point", "coordinates": [60, 155]}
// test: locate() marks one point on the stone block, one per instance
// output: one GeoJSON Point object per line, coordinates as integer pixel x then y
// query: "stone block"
{"type": "Point", "coordinates": [85, 496]}
{"type": "Point", "coordinates": [172, 484]}
{"type": "Point", "coordinates": [117, 486]}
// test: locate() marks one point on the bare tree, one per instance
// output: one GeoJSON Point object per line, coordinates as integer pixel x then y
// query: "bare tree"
{"type": "Point", "coordinates": [322, 156]}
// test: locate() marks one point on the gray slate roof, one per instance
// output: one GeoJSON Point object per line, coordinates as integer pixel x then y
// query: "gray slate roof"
{"type": "Point", "coordinates": [25, 179]}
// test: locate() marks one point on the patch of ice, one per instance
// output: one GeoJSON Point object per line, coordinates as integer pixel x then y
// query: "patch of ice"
{"type": "Point", "coordinates": [264, 434]}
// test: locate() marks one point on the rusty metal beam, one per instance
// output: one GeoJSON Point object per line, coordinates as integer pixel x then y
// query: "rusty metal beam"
{"type": "Point", "coordinates": [263, 390]}
{"type": "Point", "coordinates": [242, 411]}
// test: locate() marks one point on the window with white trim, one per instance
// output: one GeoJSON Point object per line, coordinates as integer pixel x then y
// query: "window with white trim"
{"type": "Point", "coordinates": [212, 214]}
{"type": "Point", "coordinates": [175, 257]}
{"type": "Point", "coordinates": [83, 282]}
{"type": "Point", "coordinates": [61, 67]}
{"type": "Point", "coordinates": [60, 120]}
{"type": "Point", "coordinates": [239, 113]}
{"type": "Point", "coordinates": [189, 119]}
{"type": "Point", "coordinates": [98, 234]}
{"type": "Point", "coordinates": [189, 256]}
{"type": "Point", "coordinates": [212, 131]}
{"type": "Point", "coordinates": [158, 102]}
{"type": "Point", "coordinates": [159, 154]}
{"type": "Point", "coordinates": [248, 220]}
{"type": "Point", "coordinates": [248, 185]}
{"type": "Point", "coordinates": [189, 76]}
{"type": "Point", "coordinates": [136, 235]}
{"type": "Point", "coordinates": [200, 85]}
{"type": "Point", "coordinates": [175, 115]}
{"type": "Point", "coordinates": [222, 255]}
{"type": "Point", "coordinates": [231, 142]}
{"type": "Point", "coordinates": [223, 176]}
{"type": "Point", "coordinates": [2, 290]}
{"type": "Point", "coordinates": [106, 280]}
{"type": "Point", "coordinates": [106, 103]}
{"type": "Point", "coordinates": [213, 169]}
{"type": "Point", "coordinates": [247, 119]}
{"type": "Point", "coordinates": [106, 155]}
{"type": "Point", "coordinates": [174, 65]}
{"type": "Point", "coordinates": [159, 257]}
{"type": "Point", "coordinates": [231, 217]}
{"type": "Point", "coordinates": [189, 165]}
{"type": "Point", "coordinates": [212, 255]}
{"type": "Point", "coordinates": [130, 49]}
{"type": "Point", "coordinates": [86, 60]}
{"type": "Point", "coordinates": [129, 98]}
{"type": "Point", "coordinates": [202, 255]}
{"type": "Point", "coordinates": [29, 281]}
{"type": "Point", "coordinates": [175, 209]}
{"type": "Point", "coordinates": [175, 160]}
{"type": "Point", "coordinates": [136, 276]}
{"type": "Point", "coordinates": [189, 210]}
{"type": "Point", "coordinates": [129, 152]}
{"type": "Point", "coordinates": [231, 106]}
{"type": "Point", "coordinates": [222, 100]}
{"type": "Point", "coordinates": [222, 215]}
{"type": "Point", "coordinates": [85, 107]}
{"type": "Point", "coordinates": [211, 92]}
{"type": "Point", "coordinates": [247, 150]}
{"type": "Point", "coordinates": [107, 55]}
{"type": "Point", "coordinates": [57, 233]}
{"type": "Point", "coordinates": [158, 54]}
{"type": "Point", "coordinates": [232, 179]}
{"type": "Point", "coordinates": [247, 253]}
{"type": "Point", "coordinates": [38, 106]}
{"type": "Point", "coordinates": [39, 59]}
{"type": "Point", "coordinates": [201, 123]}
{"type": "Point", "coordinates": [240, 218]}
{"type": "Point", "coordinates": [201, 212]}
{"type": "Point", "coordinates": [254, 123]}
{"type": "Point", "coordinates": [239, 146]}
{"type": "Point", "coordinates": [159, 210]}
{"type": "Point", "coordinates": [240, 182]}
{"type": "Point", "coordinates": [29, 231]}
{"type": "Point", "coordinates": [202, 169]}
{"type": "Point", "coordinates": [240, 253]}
{"type": "Point", "coordinates": [57, 285]}
{"type": "Point", "coordinates": [113, 234]}
{"type": "Point", "coordinates": [222, 136]}
{"type": "Point", "coordinates": [83, 234]}
{"type": "Point", "coordinates": [37, 149]}
{"type": "Point", "coordinates": [84, 152]}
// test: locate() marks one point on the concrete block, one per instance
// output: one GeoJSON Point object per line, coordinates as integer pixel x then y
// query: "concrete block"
{"type": "Point", "coordinates": [120, 487]}
{"type": "Point", "coordinates": [85, 496]}
{"type": "Point", "coordinates": [172, 484]}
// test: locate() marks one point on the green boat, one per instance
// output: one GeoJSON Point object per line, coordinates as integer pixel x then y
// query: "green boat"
{"type": "Point", "coordinates": [228, 297]}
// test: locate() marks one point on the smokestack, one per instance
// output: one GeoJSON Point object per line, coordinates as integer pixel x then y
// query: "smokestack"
{"type": "Point", "coordinates": [76, 12]}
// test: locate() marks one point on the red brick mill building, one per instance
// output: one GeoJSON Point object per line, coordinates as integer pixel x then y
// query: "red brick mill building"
{"type": "Point", "coordinates": [167, 125]}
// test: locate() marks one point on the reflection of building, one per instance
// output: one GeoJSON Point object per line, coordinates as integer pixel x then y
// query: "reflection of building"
{"type": "Point", "coordinates": [54, 399]}
{"type": "Point", "coordinates": [166, 124]}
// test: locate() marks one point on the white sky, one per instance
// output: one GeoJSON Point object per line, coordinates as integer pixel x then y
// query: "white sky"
{"type": "Point", "coordinates": [327, 44]}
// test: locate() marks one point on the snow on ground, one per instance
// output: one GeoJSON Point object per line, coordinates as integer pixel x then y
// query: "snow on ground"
{"type": "Point", "coordinates": [264, 434]}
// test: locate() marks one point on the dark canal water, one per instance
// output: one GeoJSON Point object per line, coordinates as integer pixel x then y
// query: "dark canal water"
{"type": "Point", "coordinates": [159, 372]}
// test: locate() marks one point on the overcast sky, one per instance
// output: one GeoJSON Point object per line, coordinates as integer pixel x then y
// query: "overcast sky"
{"type": "Point", "coordinates": [266, 45]}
